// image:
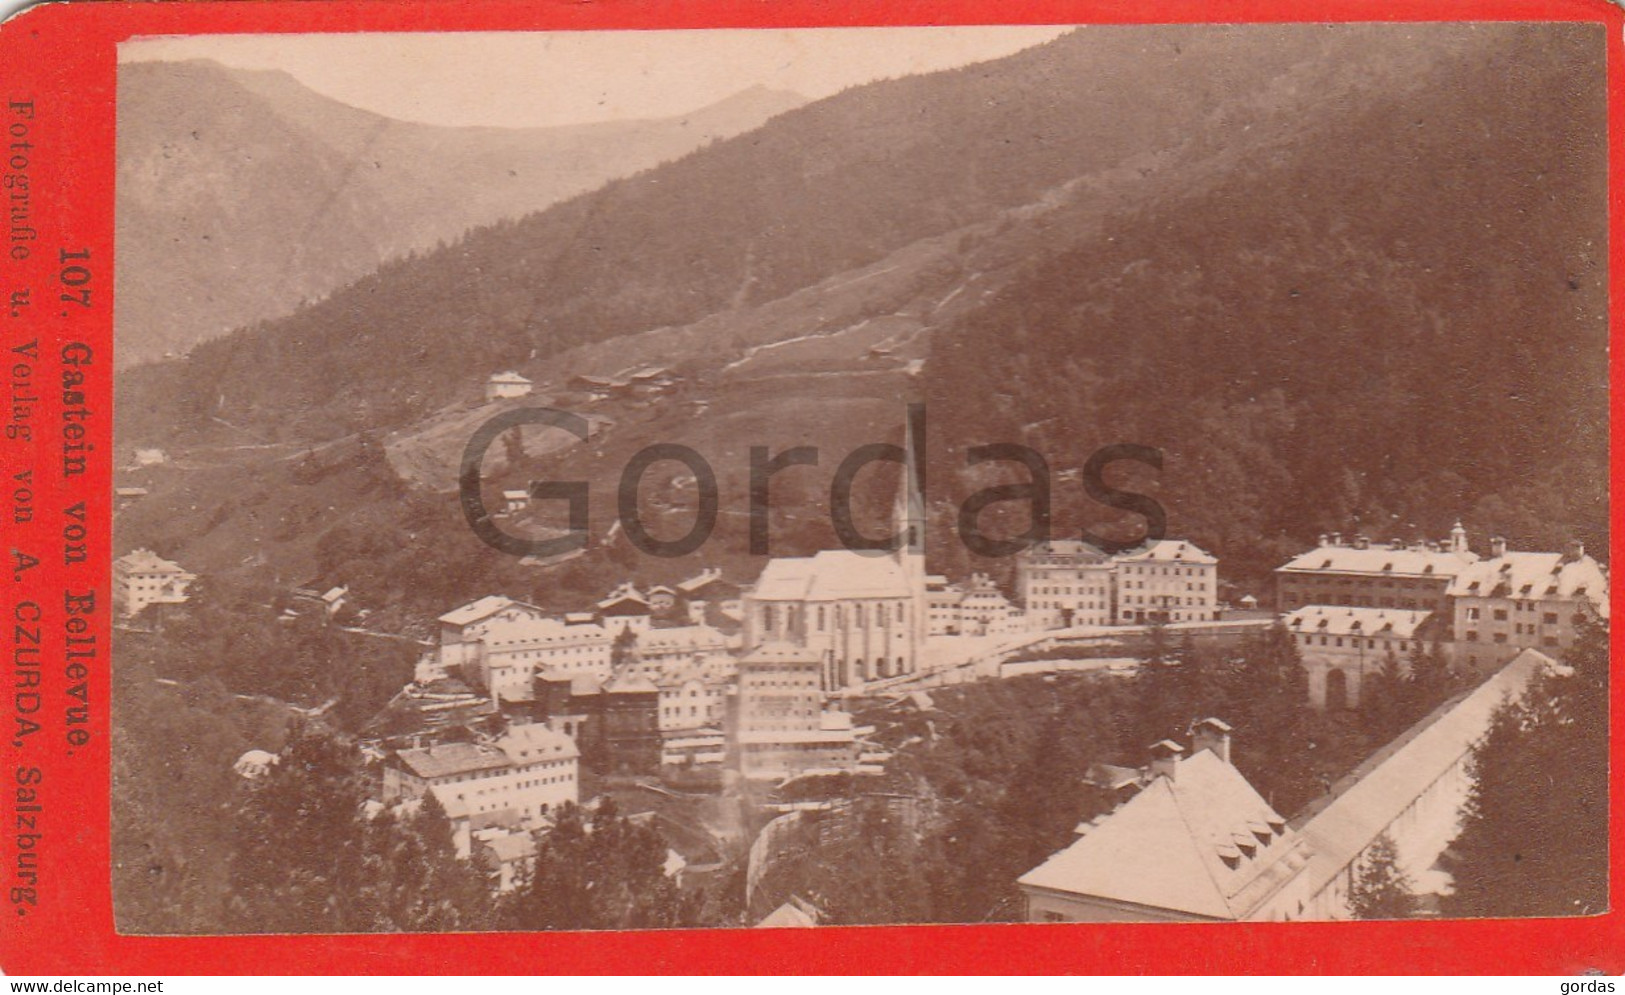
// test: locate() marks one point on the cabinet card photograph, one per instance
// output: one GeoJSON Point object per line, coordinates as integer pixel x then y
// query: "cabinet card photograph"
{"type": "Point", "coordinates": [860, 476]}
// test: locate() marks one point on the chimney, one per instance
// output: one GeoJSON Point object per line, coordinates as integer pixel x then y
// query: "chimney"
{"type": "Point", "coordinates": [1573, 550]}
{"type": "Point", "coordinates": [1165, 759]}
{"type": "Point", "coordinates": [1211, 734]}
{"type": "Point", "coordinates": [1458, 538]}
{"type": "Point", "coordinates": [1337, 538]}
{"type": "Point", "coordinates": [1362, 541]}
{"type": "Point", "coordinates": [1498, 547]}
{"type": "Point", "coordinates": [1325, 540]}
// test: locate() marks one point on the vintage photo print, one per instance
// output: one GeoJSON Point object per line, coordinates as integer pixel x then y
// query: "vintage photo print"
{"type": "Point", "coordinates": [806, 477]}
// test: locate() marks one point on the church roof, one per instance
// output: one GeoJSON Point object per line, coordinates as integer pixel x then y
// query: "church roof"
{"type": "Point", "coordinates": [832, 575]}
{"type": "Point", "coordinates": [1201, 843]}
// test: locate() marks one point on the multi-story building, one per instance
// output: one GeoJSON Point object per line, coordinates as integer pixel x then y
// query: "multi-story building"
{"type": "Point", "coordinates": [1343, 647]}
{"type": "Point", "coordinates": [615, 724]}
{"type": "Point", "coordinates": [709, 591]}
{"type": "Point", "coordinates": [1066, 582]}
{"type": "Point", "coordinates": [513, 781]}
{"type": "Point", "coordinates": [678, 644]}
{"type": "Point", "coordinates": [624, 608]}
{"type": "Point", "coordinates": [1520, 600]}
{"type": "Point", "coordinates": [985, 611]}
{"type": "Point", "coordinates": [1171, 580]}
{"type": "Point", "coordinates": [942, 606]}
{"type": "Point", "coordinates": [776, 722]}
{"type": "Point", "coordinates": [142, 578]}
{"type": "Point", "coordinates": [1363, 574]}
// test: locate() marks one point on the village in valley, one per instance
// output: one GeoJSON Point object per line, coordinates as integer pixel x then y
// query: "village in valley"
{"type": "Point", "coordinates": [553, 544]}
{"type": "Point", "coordinates": [753, 702]}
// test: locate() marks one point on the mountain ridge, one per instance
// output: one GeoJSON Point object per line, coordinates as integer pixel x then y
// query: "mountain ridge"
{"type": "Point", "coordinates": [219, 256]}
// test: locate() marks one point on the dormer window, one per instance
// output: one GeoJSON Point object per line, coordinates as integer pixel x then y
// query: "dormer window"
{"type": "Point", "coordinates": [1230, 855]}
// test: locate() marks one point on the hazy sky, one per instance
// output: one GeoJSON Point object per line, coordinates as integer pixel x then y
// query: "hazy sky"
{"type": "Point", "coordinates": [543, 78]}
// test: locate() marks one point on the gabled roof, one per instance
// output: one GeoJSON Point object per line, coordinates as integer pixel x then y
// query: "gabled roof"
{"type": "Point", "coordinates": [145, 561]}
{"type": "Point", "coordinates": [530, 743]}
{"type": "Point", "coordinates": [630, 683]}
{"type": "Point", "coordinates": [1201, 843]}
{"type": "Point", "coordinates": [1334, 620]}
{"type": "Point", "coordinates": [624, 600]}
{"type": "Point", "coordinates": [682, 639]}
{"type": "Point", "coordinates": [508, 376]}
{"type": "Point", "coordinates": [703, 579]}
{"type": "Point", "coordinates": [445, 759]}
{"type": "Point", "coordinates": [476, 610]}
{"type": "Point", "coordinates": [793, 913]}
{"type": "Point", "coordinates": [1533, 576]}
{"type": "Point", "coordinates": [1169, 551]}
{"type": "Point", "coordinates": [1076, 548]}
{"type": "Point", "coordinates": [1380, 559]}
{"type": "Point", "coordinates": [832, 575]}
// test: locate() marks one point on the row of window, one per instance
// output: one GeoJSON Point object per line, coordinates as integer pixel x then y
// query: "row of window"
{"type": "Point", "coordinates": [1353, 642]}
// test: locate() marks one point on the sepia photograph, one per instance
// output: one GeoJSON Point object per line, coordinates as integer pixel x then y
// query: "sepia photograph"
{"type": "Point", "coordinates": [860, 476]}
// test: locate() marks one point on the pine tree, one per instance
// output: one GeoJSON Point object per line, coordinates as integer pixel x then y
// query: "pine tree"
{"type": "Point", "coordinates": [1534, 835]}
{"type": "Point", "coordinates": [301, 858]}
{"type": "Point", "coordinates": [1383, 702]}
{"type": "Point", "coordinates": [1381, 890]}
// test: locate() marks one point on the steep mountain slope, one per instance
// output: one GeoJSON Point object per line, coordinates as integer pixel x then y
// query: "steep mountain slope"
{"type": "Point", "coordinates": [822, 189]}
{"type": "Point", "coordinates": [1314, 297]}
{"type": "Point", "coordinates": [242, 193]}
{"type": "Point", "coordinates": [1398, 319]}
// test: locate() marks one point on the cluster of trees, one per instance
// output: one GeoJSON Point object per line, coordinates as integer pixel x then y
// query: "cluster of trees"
{"type": "Point", "coordinates": [309, 857]}
{"type": "Point", "coordinates": [242, 644]}
{"type": "Point", "coordinates": [1001, 773]}
{"type": "Point", "coordinates": [1534, 841]}
{"type": "Point", "coordinates": [599, 870]}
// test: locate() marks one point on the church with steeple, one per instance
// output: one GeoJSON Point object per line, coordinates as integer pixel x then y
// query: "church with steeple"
{"type": "Point", "coordinates": [864, 612]}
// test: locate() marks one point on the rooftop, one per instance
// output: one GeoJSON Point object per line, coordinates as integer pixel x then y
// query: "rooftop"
{"type": "Point", "coordinates": [1169, 551]}
{"type": "Point", "coordinates": [1334, 620]}
{"type": "Point", "coordinates": [474, 611]}
{"type": "Point", "coordinates": [832, 575]}
{"type": "Point", "coordinates": [1533, 576]}
{"type": "Point", "coordinates": [1200, 843]}
{"type": "Point", "coordinates": [145, 561]}
{"type": "Point", "coordinates": [1381, 559]}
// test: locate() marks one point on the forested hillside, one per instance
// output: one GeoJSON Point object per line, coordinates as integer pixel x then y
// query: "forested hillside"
{"type": "Point", "coordinates": [815, 192]}
{"type": "Point", "coordinates": [1394, 320]}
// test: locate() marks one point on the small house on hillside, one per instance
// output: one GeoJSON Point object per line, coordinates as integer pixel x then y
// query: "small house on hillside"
{"type": "Point", "coordinates": [505, 385]}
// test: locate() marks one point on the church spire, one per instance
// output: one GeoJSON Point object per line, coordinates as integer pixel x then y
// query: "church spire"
{"type": "Point", "coordinates": [909, 513]}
